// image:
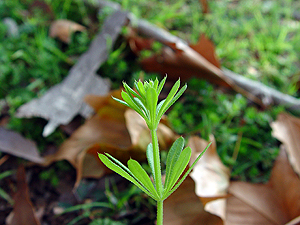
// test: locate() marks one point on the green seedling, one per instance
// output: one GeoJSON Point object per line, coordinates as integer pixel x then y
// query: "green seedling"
{"type": "Point", "coordinates": [145, 102]}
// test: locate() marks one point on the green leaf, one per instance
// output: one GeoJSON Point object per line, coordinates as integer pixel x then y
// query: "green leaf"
{"type": "Point", "coordinates": [131, 91]}
{"type": "Point", "coordinates": [161, 85]}
{"type": "Point", "coordinates": [172, 158]}
{"type": "Point", "coordinates": [151, 101]}
{"type": "Point", "coordinates": [140, 87]}
{"type": "Point", "coordinates": [150, 159]}
{"type": "Point", "coordinates": [142, 106]}
{"type": "Point", "coordinates": [120, 170]}
{"type": "Point", "coordinates": [155, 83]}
{"type": "Point", "coordinates": [180, 92]}
{"type": "Point", "coordinates": [120, 101]}
{"type": "Point", "coordinates": [168, 104]}
{"type": "Point", "coordinates": [142, 176]}
{"type": "Point", "coordinates": [168, 193]}
{"type": "Point", "coordinates": [169, 98]}
{"type": "Point", "coordinates": [132, 104]}
{"type": "Point", "coordinates": [179, 167]}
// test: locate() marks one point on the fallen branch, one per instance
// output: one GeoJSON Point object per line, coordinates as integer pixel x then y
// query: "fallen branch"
{"type": "Point", "coordinates": [65, 100]}
{"type": "Point", "coordinates": [259, 92]}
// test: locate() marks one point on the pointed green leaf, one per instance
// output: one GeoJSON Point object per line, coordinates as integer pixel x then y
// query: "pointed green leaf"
{"type": "Point", "coordinates": [168, 193]}
{"type": "Point", "coordinates": [132, 104]}
{"type": "Point", "coordinates": [172, 158]}
{"type": "Point", "coordinates": [142, 176]}
{"type": "Point", "coordinates": [141, 89]}
{"type": "Point", "coordinates": [180, 92]}
{"type": "Point", "coordinates": [131, 91]}
{"type": "Point", "coordinates": [150, 159]}
{"type": "Point", "coordinates": [119, 170]}
{"type": "Point", "coordinates": [171, 102]}
{"type": "Point", "coordinates": [120, 101]}
{"type": "Point", "coordinates": [155, 83]}
{"type": "Point", "coordinates": [142, 106]}
{"type": "Point", "coordinates": [161, 85]}
{"type": "Point", "coordinates": [151, 101]}
{"type": "Point", "coordinates": [169, 98]}
{"type": "Point", "coordinates": [179, 167]}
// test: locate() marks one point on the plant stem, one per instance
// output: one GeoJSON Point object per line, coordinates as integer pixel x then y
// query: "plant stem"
{"type": "Point", "coordinates": [157, 167]}
{"type": "Point", "coordinates": [157, 175]}
{"type": "Point", "coordinates": [159, 220]}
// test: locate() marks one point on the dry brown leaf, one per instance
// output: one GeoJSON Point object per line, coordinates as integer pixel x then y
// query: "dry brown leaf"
{"type": "Point", "coordinates": [14, 144]}
{"type": "Point", "coordinates": [181, 60]}
{"type": "Point", "coordinates": [276, 202]}
{"type": "Point", "coordinates": [210, 175]}
{"type": "Point", "coordinates": [23, 212]}
{"type": "Point", "coordinates": [287, 129]}
{"type": "Point", "coordinates": [108, 131]}
{"type": "Point", "coordinates": [206, 48]}
{"type": "Point", "coordinates": [62, 29]}
{"type": "Point", "coordinates": [183, 207]}
{"type": "Point", "coordinates": [140, 134]}
{"type": "Point", "coordinates": [137, 43]}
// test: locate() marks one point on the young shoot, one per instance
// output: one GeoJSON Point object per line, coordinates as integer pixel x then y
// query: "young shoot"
{"type": "Point", "coordinates": [144, 100]}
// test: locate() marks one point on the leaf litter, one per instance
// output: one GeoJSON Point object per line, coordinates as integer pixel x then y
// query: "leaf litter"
{"type": "Point", "coordinates": [200, 199]}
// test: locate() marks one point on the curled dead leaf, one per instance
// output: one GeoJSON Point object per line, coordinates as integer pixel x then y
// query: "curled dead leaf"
{"type": "Point", "coordinates": [23, 212]}
{"type": "Point", "coordinates": [211, 176]}
{"type": "Point", "coordinates": [183, 207]}
{"type": "Point", "coordinates": [15, 144]}
{"type": "Point", "coordinates": [62, 29]}
{"type": "Point", "coordinates": [287, 129]}
{"type": "Point", "coordinates": [277, 202]}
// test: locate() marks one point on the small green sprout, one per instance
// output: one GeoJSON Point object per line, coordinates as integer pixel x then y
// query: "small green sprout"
{"type": "Point", "coordinates": [144, 101]}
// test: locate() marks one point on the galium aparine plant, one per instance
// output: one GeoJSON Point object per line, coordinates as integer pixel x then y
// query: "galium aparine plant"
{"type": "Point", "coordinates": [144, 100]}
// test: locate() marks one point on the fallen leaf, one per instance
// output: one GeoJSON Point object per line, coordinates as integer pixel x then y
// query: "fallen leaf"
{"type": "Point", "coordinates": [140, 133]}
{"type": "Point", "coordinates": [180, 60]}
{"type": "Point", "coordinates": [276, 203]}
{"type": "Point", "coordinates": [287, 129]}
{"type": "Point", "coordinates": [137, 43]}
{"type": "Point", "coordinates": [211, 176]}
{"type": "Point", "coordinates": [23, 212]}
{"type": "Point", "coordinates": [62, 29]}
{"type": "Point", "coordinates": [206, 48]}
{"type": "Point", "coordinates": [184, 207]}
{"type": "Point", "coordinates": [65, 100]}
{"type": "Point", "coordinates": [14, 144]}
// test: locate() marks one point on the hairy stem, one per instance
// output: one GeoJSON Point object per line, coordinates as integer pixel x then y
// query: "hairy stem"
{"type": "Point", "coordinates": [157, 167]}
{"type": "Point", "coordinates": [159, 220]}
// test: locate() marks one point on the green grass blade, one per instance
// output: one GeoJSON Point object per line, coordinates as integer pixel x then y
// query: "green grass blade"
{"type": "Point", "coordinates": [4, 195]}
{"type": "Point", "coordinates": [167, 194]}
{"type": "Point", "coordinates": [142, 176]}
{"type": "Point", "coordinates": [172, 158]}
{"type": "Point", "coordinates": [86, 206]}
